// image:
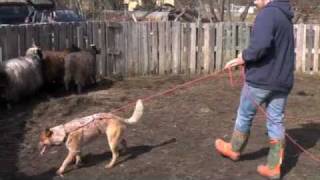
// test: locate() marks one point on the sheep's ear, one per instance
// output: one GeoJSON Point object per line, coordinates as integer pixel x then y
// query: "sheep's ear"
{"type": "Point", "coordinates": [33, 43]}
{"type": "Point", "coordinates": [48, 132]}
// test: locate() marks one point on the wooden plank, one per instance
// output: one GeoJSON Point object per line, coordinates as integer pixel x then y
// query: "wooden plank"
{"type": "Point", "coordinates": [247, 32]}
{"type": "Point", "coordinates": [12, 41]}
{"type": "Point", "coordinates": [1, 54]}
{"type": "Point", "coordinates": [193, 46]}
{"type": "Point", "coordinates": [233, 53]}
{"type": "Point", "coordinates": [118, 40]}
{"type": "Point", "coordinates": [68, 40]}
{"type": "Point", "coordinates": [21, 40]}
{"type": "Point", "coordinates": [168, 68]}
{"type": "Point", "coordinates": [185, 48]}
{"type": "Point", "coordinates": [96, 35]}
{"type": "Point", "coordinates": [136, 48]}
{"type": "Point", "coordinates": [36, 34]}
{"type": "Point", "coordinates": [85, 35]}
{"type": "Point", "coordinates": [219, 52]}
{"type": "Point", "coordinates": [299, 43]}
{"type": "Point", "coordinates": [242, 41]}
{"type": "Point", "coordinates": [125, 49]}
{"type": "Point", "coordinates": [154, 66]}
{"type": "Point", "coordinates": [80, 35]}
{"type": "Point", "coordinates": [200, 43]}
{"type": "Point", "coordinates": [140, 49]}
{"type": "Point", "coordinates": [75, 33]}
{"type": "Point", "coordinates": [131, 69]}
{"type": "Point", "coordinates": [309, 47]}
{"type": "Point", "coordinates": [316, 49]}
{"type": "Point", "coordinates": [176, 32]}
{"type": "Point", "coordinates": [304, 48]}
{"type": "Point", "coordinates": [144, 49]}
{"type": "Point", "coordinates": [110, 47]}
{"type": "Point", "coordinates": [102, 42]}
{"type": "Point", "coordinates": [55, 38]}
{"type": "Point", "coordinates": [89, 34]}
{"type": "Point", "coordinates": [62, 36]}
{"type": "Point", "coordinates": [206, 49]}
{"type": "Point", "coordinates": [2, 43]}
{"type": "Point", "coordinates": [213, 42]}
{"type": "Point", "coordinates": [45, 37]}
{"type": "Point", "coordinates": [228, 41]}
{"type": "Point", "coordinates": [162, 51]}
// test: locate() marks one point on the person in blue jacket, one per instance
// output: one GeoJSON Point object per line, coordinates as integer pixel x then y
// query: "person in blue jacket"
{"type": "Point", "coordinates": [269, 71]}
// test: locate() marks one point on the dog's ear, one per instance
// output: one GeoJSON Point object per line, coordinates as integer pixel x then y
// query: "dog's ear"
{"type": "Point", "coordinates": [48, 132]}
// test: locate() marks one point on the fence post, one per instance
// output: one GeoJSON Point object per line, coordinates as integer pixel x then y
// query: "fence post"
{"type": "Point", "coordinates": [206, 48]}
{"type": "Point", "coordinates": [176, 46]}
{"type": "Point", "coordinates": [162, 43]}
{"type": "Point", "coordinates": [1, 55]}
{"type": "Point", "coordinates": [219, 46]}
{"type": "Point", "coordinates": [193, 47]}
{"type": "Point", "coordinates": [316, 48]}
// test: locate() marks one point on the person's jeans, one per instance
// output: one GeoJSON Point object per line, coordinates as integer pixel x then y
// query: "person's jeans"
{"type": "Point", "coordinates": [275, 102]}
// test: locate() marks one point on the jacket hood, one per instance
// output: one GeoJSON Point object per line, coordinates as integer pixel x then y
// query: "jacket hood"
{"type": "Point", "coordinates": [284, 6]}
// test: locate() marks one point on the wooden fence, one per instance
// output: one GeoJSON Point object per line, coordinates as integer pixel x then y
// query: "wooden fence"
{"type": "Point", "coordinates": [146, 48]}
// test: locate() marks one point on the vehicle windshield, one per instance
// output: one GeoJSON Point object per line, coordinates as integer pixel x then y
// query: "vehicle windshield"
{"type": "Point", "coordinates": [66, 15]}
{"type": "Point", "coordinates": [13, 10]}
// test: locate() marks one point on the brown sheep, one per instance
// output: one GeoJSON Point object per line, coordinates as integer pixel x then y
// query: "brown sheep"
{"type": "Point", "coordinates": [80, 67]}
{"type": "Point", "coordinates": [53, 65]}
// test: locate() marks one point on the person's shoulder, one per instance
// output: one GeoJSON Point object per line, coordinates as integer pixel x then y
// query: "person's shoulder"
{"type": "Point", "coordinates": [267, 12]}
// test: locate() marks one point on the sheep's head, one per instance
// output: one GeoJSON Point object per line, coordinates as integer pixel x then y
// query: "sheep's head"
{"type": "Point", "coordinates": [34, 51]}
{"type": "Point", "coordinates": [3, 79]}
{"type": "Point", "coordinates": [94, 48]}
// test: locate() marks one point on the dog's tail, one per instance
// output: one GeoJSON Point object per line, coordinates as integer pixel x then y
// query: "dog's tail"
{"type": "Point", "coordinates": [138, 111]}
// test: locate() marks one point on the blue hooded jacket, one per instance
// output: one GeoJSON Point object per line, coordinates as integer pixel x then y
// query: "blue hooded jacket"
{"type": "Point", "coordinates": [270, 57]}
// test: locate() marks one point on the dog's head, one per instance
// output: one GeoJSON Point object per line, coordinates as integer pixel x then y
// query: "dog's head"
{"type": "Point", "coordinates": [51, 137]}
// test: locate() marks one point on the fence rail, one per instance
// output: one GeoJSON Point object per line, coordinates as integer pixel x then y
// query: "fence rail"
{"type": "Point", "coordinates": [145, 48]}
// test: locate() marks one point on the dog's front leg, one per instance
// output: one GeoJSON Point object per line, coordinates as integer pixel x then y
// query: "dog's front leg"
{"type": "Point", "coordinates": [66, 162]}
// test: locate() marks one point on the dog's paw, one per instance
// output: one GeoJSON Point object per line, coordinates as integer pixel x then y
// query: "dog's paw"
{"type": "Point", "coordinates": [108, 166]}
{"type": "Point", "coordinates": [79, 164]}
{"type": "Point", "coordinates": [60, 173]}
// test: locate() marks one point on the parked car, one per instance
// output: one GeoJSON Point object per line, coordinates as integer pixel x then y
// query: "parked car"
{"type": "Point", "coordinates": [13, 13]}
{"type": "Point", "coordinates": [18, 11]}
{"type": "Point", "coordinates": [66, 15]}
{"type": "Point", "coordinates": [57, 15]}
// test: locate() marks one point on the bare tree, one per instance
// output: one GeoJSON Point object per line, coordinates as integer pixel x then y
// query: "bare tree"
{"type": "Point", "coordinates": [244, 14]}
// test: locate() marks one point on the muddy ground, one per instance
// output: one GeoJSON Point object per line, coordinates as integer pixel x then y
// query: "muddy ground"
{"type": "Point", "coordinates": [174, 139]}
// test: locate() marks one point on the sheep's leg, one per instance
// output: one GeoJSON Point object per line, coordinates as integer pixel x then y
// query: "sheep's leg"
{"type": "Point", "coordinates": [66, 85]}
{"type": "Point", "coordinates": [79, 88]}
{"type": "Point", "coordinates": [66, 82]}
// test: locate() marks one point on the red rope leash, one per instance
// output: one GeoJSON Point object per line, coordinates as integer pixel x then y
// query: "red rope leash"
{"type": "Point", "coordinates": [208, 77]}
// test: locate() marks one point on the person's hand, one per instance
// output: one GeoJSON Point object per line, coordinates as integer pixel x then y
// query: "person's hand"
{"type": "Point", "coordinates": [234, 63]}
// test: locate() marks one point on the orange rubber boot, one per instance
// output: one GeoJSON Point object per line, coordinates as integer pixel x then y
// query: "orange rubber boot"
{"type": "Point", "coordinates": [233, 149]}
{"type": "Point", "coordinates": [272, 169]}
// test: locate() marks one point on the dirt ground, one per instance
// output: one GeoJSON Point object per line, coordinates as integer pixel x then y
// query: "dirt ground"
{"type": "Point", "coordinates": [174, 139]}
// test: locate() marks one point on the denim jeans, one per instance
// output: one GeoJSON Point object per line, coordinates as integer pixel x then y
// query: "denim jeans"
{"type": "Point", "coordinates": [275, 102]}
